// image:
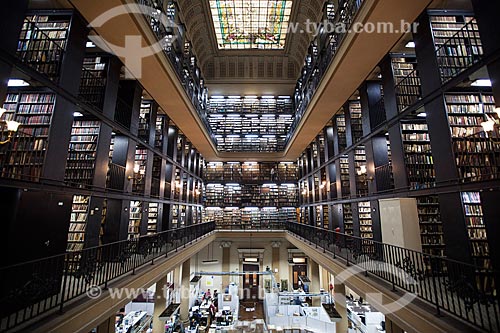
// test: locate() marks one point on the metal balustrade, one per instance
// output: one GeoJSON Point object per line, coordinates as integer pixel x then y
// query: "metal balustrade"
{"type": "Point", "coordinates": [408, 90]}
{"type": "Point", "coordinates": [460, 289]}
{"type": "Point", "coordinates": [116, 177]}
{"type": "Point", "coordinates": [32, 289]}
{"type": "Point", "coordinates": [460, 51]}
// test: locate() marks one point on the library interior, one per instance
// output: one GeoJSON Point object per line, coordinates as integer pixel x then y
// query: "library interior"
{"type": "Point", "coordinates": [250, 166]}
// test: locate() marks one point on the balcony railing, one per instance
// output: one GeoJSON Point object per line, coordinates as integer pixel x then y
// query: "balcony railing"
{"type": "Point", "coordinates": [314, 72]}
{"type": "Point", "coordinates": [463, 290]}
{"type": "Point", "coordinates": [460, 52]}
{"type": "Point", "coordinates": [31, 289]}
{"type": "Point", "coordinates": [408, 90]}
{"type": "Point", "coordinates": [115, 177]}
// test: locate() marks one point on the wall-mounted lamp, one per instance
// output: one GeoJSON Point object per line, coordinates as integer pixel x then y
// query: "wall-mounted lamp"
{"type": "Point", "coordinates": [12, 127]}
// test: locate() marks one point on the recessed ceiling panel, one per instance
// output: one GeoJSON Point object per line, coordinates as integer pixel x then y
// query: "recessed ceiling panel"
{"type": "Point", "coordinates": [251, 24]}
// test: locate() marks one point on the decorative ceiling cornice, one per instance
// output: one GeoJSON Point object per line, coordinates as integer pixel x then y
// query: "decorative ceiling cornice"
{"type": "Point", "coordinates": [238, 66]}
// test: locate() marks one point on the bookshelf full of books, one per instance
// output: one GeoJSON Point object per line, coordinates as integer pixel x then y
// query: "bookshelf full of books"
{"type": "Point", "coordinates": [152, 217]}
{"type": "Point", "coordinates": [80, 165]}
{"type": "Point", "coordinates": [78, 223]}
{"type": "Point", "coordinates": [366, 226]}
{"type": "Point", "coordinates": [356, 123]}
{"type": "Point", "coordinates": [135, 218]}
{"type": "Point", "coordinates": [93, 80]}
{"type": "Point", "coordinates": [431, 226]}
{"type": "Point", "coordinates": [476, 228]}
{"type": "Point", "coordinates": [347, 219]}
{"type": "Point", "coordinates": [144, 119]}
{"type": "Point", "coordinates": [287, 171]}
{"type": "Point", "coordinates": [250, 217]}
{"type": "Point", "coordinates": [42, 42]}
{"type": "Point", "coordinates": [418, 155]}
{"type": "Point", "coordinates": [232, 171]}
{"type": "Point", "coordinates": [160, 125]}
{"type": "Point", "coordinates": [345, 184]}
{"type": "Point", "coordinates": [231, 217]}
{"type": "Point", "coordinates": [140, 163]}
{"type": "Point", "coordinates": [478, 238]}
{"type": "Point", "coordinates": [365, 220]}
{"type": "Point", "coordinates": [457, 42]}
{"type": "Point", "coordinates": [341, 132]}
{"type": "Point", "coordinates": [251, 105]}
{"type": "Point", "coordinates": [214, 171]}
{"type": "Point", "coordinates": [406, 80]}
{"type": "Point", "coordinates": [26, 155]}
{"type": "Point", "coordinates": [476, 152]}
{"type": "Point", "coordinates": [360, 171]}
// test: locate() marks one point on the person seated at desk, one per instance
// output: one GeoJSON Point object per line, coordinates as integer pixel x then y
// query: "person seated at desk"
{"type": "Point", "coordinates": [207, 295]}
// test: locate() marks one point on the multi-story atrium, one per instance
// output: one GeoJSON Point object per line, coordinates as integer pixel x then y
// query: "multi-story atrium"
{"type": "Point", "coordinates": [218, 166]}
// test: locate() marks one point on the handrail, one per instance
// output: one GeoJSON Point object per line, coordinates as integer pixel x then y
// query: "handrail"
{"type": "Point", "coordinates": [452, 60]}
{"type": "Point", "coordinates": [463, 290]}
{"type": "Point", "coordinates": [31, 289]}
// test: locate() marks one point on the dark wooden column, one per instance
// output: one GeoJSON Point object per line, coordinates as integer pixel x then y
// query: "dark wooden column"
{"type": "Point", "coordinates": [62, 117]}
{"type": "Point", "coordinates": [441, 144]}
{"type": "Point", "coordinates": [11, 22]}
{"type": "Point", "coordinates": [391, 111]}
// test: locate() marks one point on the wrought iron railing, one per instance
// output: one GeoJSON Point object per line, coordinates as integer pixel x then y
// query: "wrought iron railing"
{"type": "Point", "coordinates": [315, 73]}
{"type": "Point", "coordinates": [462, 290]}
{"type": "Point", "coordinates": [92, 88]}
{"type": "Point", "coordinates": [115, 177]}
{"type": "Point", "coordinates": [384, 177]}
{"type": "Point", "coordinates": [264, 226]}
{"type": "Point", "coordinates": [460, 51]}
{"type": "Point", "coordinates": [408, 90]}
{"type": "Point", "coordinates": [32, 289]}
{"type": "Point", "coordinates": [42, 52]}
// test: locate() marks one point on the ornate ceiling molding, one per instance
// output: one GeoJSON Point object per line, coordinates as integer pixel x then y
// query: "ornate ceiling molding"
{"type": "Point", "coordinates": [239, 66]}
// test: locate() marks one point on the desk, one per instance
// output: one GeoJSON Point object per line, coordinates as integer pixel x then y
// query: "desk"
{"type": "Point", "coordinates": [134, 322]}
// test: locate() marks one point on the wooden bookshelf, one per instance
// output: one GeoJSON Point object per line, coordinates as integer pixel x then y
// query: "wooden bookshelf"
{"type": "Point", "coordinates": [359, 162]}
{"type": "Point", "coordinates": [160, 126]}
{"type": "Point", "coordinates": [78, 223]}
{"type": "Point", "coordinates": [356, 123]}
{"type": "Point", "coordinates": [476, 229]}
{"type": "Point", "coordinates": [80, 165]}
{"type": "Point", "coordinates": [252, 105]}
{"type": "Point", "coordinates": [26, 155]}
{"type": "Point", "coordinates": [365, 220]}
{"type": "Point", "coordinates": [418, 156]}
{"type": "Point", "coordinates": [407, 82]}
{"type": "Point", "coordinates": [140, 163]}
{"type": "Point", "coordinates": [144, 120]}
{"type": "Point", "coordinates": [152, 217]}
{"type": "Point", "coordinates": [431, 226]}
{"type": "Point", "coordinates": [42, 43]}
{"type": "Point", "coordinates": [135, 217]}
{"type": "Point", "coordinates": [93, 80]}
{"type": "Point", "coordinates": [475, 151]}
{"type": "Point", "coordinates": [345, 184]}
{"type": "Point", "coordinates": [341, 132]}
{"type": "Point", "coordinates": [347, 219]}
{"type": "Point", "coordinates": [457, 42]}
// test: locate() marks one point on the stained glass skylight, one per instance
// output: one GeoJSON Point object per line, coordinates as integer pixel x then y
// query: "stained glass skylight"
{"type": "Point", "coordinates": [251, 24]}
